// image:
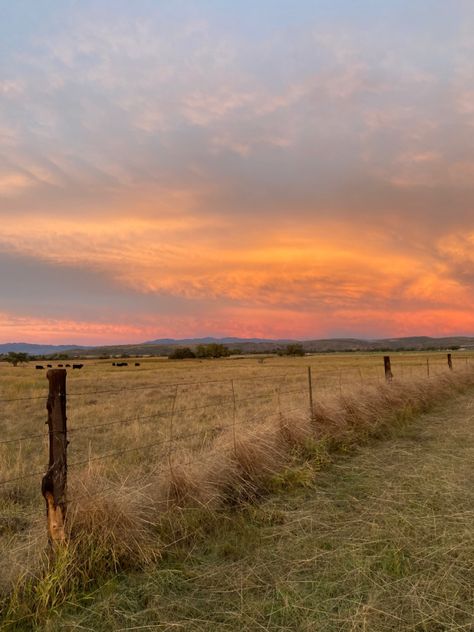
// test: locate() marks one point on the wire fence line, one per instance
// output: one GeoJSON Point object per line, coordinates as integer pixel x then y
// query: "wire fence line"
{"type": "Point", "coordinates": [161, 467]}
{"type": "Point", "coordinates": [175, 440]}
{"type": "Point", "coordinates": [437, 363]}
{"type": "Point", "coordinates": [230, 402]}
{"type": "Point", "coordinates": [163, 415]}
{"type": "Point", "coordinates": [154, 386]}
{"type": "Point", "coordinates": [163, 438]}
{"type": "Point", "coordinates": [125, 389]}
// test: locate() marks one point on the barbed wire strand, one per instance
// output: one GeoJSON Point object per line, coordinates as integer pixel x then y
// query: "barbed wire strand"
{"type": "Point", "coordinates": [145, 417]}
{"type": "Point", "coordinates": [148, 386]}
{"type": "Point", "coordinates": [178, 438]}
{"type": "Point", "coordinates": [195, 383]}
{"type": "Point", "coordinates": [162, 466]}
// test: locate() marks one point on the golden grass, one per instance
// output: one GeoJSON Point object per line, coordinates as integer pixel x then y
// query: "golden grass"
{"type": "Point", "coordinates": [126, 509]}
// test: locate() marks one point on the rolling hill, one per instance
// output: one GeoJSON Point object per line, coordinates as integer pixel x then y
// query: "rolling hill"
{"type": "Point", "coordinates": [164, 346]}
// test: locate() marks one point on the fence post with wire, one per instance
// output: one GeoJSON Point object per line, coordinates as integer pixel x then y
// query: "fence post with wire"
{"type": "Point", "coordinates": [54, 483]}
{"type": "Point", "coordinates": [233, 406]}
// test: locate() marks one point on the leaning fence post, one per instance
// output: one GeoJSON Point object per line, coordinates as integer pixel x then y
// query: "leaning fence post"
{"type": "Point", "coordinates": [310, 393]}
{"type": "Point", "coordinates": [450, 362]}
{"type": "Point", "coordinates": [54, 483]}
{"type": "Point", "coordinates": [388, 368]}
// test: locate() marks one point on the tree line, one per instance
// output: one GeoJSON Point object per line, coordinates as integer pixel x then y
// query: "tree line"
{"type": "Point", "coordinates": [216, 350]}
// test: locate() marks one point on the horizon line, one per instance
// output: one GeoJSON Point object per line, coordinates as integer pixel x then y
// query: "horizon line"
{"type": "Point", "coordinates": [256, 339]}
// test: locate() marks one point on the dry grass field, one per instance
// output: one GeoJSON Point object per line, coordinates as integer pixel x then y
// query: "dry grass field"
{"type": "Point", "coordinates": [159, 449]}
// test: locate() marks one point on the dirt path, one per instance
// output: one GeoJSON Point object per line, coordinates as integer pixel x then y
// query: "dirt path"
{"type": "Point", "coordinates": [382, 540]}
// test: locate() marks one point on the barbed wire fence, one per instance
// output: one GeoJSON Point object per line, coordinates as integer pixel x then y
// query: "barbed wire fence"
{"type": "Point", "coordinates": [163, 426]}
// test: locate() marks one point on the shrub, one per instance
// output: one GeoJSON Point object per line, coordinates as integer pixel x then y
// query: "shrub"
{"type": "Point", "coordinates": [212, 350]}
{"type": "Point", "coordinates": [182, 353]}
{"type": "Point", "coordinates": [294, 350]}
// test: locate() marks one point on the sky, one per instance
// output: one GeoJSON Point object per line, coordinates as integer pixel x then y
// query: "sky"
{"type": "Point", "coordinates": [262, 168]}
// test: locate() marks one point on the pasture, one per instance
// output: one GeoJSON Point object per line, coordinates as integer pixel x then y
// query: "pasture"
{"type": "Point", "coordinates": [172, 405]}
{"type": "Point", "coordinates": [161, 433]}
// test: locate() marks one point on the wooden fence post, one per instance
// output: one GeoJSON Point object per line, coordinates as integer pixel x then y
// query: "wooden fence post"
{"type": "Point", "coordinates": [310, 393]}
{"type": "Point", "coordinates": [428, 367]}
{"type": "Point", "coordinates": [54, 483]}
{"type": "Point", "coordinates": [450, 362]}
{"type": "Point", "coordinates": [388, 368]}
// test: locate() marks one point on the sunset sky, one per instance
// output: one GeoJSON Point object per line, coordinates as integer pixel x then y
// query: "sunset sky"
{"type": "Point", "coordinates": [255, 168]}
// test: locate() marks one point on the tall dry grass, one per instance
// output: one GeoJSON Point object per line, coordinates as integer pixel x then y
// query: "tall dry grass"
{"type": "Point", "coordinates": [119, 523]}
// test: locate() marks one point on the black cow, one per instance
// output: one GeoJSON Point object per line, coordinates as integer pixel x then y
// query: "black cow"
{"type": "Point", "coordinates": [137, 363]}
{"type": "Point", "coordinates": [50, 366]}
{"type": "Point", "coordinates": [68, 365]}
{"type": "Point", "coordinates": [38, 366]}
{"type": "Point", "coordinates": [60, 366]}
{"type": "Point", "coordinates": [77, 366]}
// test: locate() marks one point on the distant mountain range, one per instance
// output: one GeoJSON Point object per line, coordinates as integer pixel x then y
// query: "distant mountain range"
{"type": "Point", "coordinates": [32, 349]}
{"type": "Point", "coordinates": [164, 346]}
{"type": "Point", "coordinates": [210, 339]}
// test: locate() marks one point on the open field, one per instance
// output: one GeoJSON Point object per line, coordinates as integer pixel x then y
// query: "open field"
{"type": "Point", "coordinates": [381, 541]}
{"type": "Point", "coordinates": [142, 436]}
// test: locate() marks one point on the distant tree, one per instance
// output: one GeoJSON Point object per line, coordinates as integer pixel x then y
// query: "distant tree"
{"type": "Point", "coordinates": [294, 349]}
{"type": "Point", "coordinates": [182, 353]}
{"type": "Point", "coordinates": [58, 356]}
{"type": "Point", "coordinates": [17, 358]}
{"type": "Point", "coordinates": [212, 350]}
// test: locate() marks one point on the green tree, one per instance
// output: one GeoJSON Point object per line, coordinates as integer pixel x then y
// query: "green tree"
{"type": "Point", "coordinates": [294, 349]}
{"type": "Point", "coordinates": [212, 350]}
{"type": "Point", "coordinates": [182, 353]}
{"type": "Point", "coordinates": [17, 358]}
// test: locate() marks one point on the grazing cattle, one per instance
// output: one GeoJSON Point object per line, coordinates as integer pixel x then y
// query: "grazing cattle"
{"type": "Point", "coordinates": [77, 366]}
{"type": "Point", "coordinates": [60, 366]}
{"type": "Point", "coordinates": [114, 364]}
{"type": "Point", "coordinates": [68, 365]}
{"type": "Point", "coordinates": [38, 366]}
{"type": "Point", "coordinates": [50, 366]}
{"type": "Point", "coordinates": [137, 363]}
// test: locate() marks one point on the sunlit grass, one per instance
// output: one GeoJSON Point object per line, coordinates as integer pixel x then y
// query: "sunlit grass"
{"type": "Point", "coordinates": [250, 428]}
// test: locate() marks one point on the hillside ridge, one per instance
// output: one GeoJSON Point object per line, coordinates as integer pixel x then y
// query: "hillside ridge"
{"type": "Point", "coordinates": [164, 346]}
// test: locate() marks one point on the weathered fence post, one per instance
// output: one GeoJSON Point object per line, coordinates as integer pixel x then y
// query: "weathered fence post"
{"type": "Point", "coordinates": [428, 367]}
{"type": "Point", "coordinates": [450, 362]}
{"type": "Point", "coordinates": [54, 483]}
{"type": "Point", "coordinates": [388, 368]}
{"type": "Point", "coordinates": [310, 393]}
